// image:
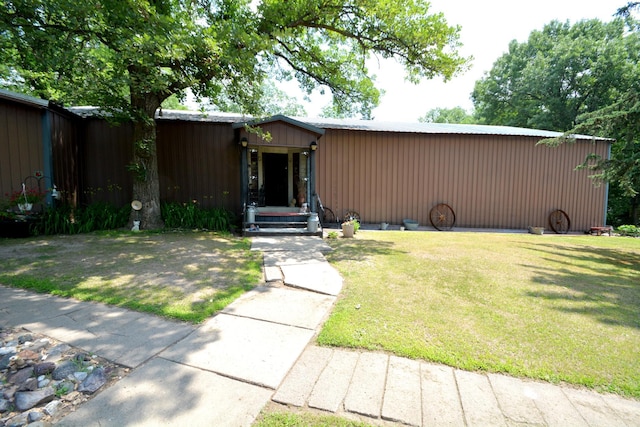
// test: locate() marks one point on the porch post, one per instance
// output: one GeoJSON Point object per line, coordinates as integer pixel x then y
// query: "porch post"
{"type": "Point", "coordinates": [312, 178]}
{"type": "Point", "coordinates": [244, 176]}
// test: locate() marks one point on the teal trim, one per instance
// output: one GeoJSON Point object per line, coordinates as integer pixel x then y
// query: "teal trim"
{"type": "Point", "coordinates": [47, 155]}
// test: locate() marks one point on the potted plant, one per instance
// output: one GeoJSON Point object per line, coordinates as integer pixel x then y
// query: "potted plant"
{"type": "Point", "coordinates": [26, 198]}
{"type": "Point", "coordinates": [350, 227]}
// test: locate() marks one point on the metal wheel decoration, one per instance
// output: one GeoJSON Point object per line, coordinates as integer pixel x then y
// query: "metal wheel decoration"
{"type": "Point", "coordinates": [442, 217]}
{"type": "Point", "coordinates": [327, 217]}
{"type": "Point", "coordinates": [559, 221]}
{"type": "Point", "coordinates": [352, 215]}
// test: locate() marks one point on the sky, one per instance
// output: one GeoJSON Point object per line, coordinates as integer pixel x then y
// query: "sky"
{"type": "Point", "coordinates": [487, 27]}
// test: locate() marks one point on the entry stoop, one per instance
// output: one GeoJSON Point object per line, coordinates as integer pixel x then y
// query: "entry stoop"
{"type": "Point", "coordinates": [270, 221]}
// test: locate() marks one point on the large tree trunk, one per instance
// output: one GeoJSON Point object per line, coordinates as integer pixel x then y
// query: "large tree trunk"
{"type": "Point", "coordinates": [146, 186]}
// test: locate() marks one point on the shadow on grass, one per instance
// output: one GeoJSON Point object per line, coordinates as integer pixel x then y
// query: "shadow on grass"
{"type": "Point", "coordinates": [186, 276]}
{"type": "Point", "coordinates": [359, 249]}
{"type": "Point", "coordinates": [602, 283]}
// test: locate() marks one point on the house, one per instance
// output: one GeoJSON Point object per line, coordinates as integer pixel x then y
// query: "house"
{"type": "Point", "coordinates": [490, 176]}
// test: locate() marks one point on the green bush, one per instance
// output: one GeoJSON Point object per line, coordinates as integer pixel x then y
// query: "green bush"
{"type": "Point", "coordinates": [629, 230]}
{"type": "Point", "coordinates": [191, 216]}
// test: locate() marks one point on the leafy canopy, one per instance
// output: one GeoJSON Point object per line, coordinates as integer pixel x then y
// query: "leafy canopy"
{"type": "Point", "coordinates": [448, 115]}
{"type": "Point", "coordinates": [559, 73]}
{"type": "Point", "coordinates": [106, 52]}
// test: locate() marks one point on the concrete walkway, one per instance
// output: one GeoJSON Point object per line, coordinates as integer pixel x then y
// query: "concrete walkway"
{"type": "Point", "coordinates": [258, 350]}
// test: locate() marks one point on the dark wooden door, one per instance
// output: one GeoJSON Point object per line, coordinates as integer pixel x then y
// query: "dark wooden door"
{"type": "Point", "coordinates": [276, 179]}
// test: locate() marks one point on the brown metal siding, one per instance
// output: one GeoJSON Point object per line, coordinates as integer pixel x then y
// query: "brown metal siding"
{"type": "Point", "coordinates": [199, 161]}
{"type": "Point", "coordinates": [65, 137]}
{"type": "Point", "coordinates": [282, 135]}
{"type": "Point", "coordinates": [20, 145]}
{"type": "Point", "coordinates": [106, 151]}
{"type": "Point", "coordinates": [490, 181]}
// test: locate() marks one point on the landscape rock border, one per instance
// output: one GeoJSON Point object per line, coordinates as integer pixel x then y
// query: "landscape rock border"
{"type": "Point", "coordinates": [43, 379]}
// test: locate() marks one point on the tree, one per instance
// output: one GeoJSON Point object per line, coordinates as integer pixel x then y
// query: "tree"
{"type": "Point", "coordinates": [559, 73]}
{"type": "Point", "coordinates": [272, 101]}
{"type": "Point", "coordinates": [128, 56]}
{"type": "Point", "coordinates": [619, 120]}
{"type": "Point", "coordinates": [448, 115]}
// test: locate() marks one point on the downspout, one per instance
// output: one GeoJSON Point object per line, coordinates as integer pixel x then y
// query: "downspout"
{"type": "Point", "coordinates": [47, 156]}
{"type": "Point", "coordinates": [244, 174]}
{"type": "Point", "coordinates": [312, 179]}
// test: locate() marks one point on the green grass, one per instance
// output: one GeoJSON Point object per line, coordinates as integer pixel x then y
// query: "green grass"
{"type": "Point", "coordinates": [556, 308]}
{"type": "Point", "coordinates": [302, 419]}
{"type": "Point", "coordinates": [182, 275]}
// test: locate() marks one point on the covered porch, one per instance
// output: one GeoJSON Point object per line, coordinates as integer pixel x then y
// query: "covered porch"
{"type": "Point", "coordinates": [278, 176]}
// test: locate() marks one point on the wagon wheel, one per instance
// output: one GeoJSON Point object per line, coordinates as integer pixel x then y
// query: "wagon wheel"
{"type": "Point", "coordinates": [559, 221]}
{"type": "Point", "coordinates": [351, 215]}
{"type": "Point", "coordinates": [442, 217]}
{"type": "Point", "coordinates": [327, 217]}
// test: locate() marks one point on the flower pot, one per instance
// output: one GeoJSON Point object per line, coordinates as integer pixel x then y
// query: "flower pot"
{"type": "Point", "coordinates": [25, 207]}
{"type": "Point", "coordinates": [536, 230]}
{"type": "Point", "coordinates": [410, 224]}
{"type": "Point", "coordinates": [348, 230]}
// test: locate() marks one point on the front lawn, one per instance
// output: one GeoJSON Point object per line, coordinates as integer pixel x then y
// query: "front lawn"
{"type": "Point", "coordinates": [552, 307]}
{"type": "Point", "coordinates": [183, 275]}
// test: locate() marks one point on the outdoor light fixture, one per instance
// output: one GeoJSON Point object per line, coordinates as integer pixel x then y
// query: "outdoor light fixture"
{"type": "Point", "coordinates": [313, 146]}
{"type": "Point", "coordinates": [244, 142]}
{"type": "Point", "coordinates": [54, 192]}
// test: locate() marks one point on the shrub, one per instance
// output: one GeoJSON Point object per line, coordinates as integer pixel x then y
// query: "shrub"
{"type": "Point", "coordinates": [629, 230]}
{"type": "Point", "coordinates": [191, 216]}
{"type": "Point", "coordinates": [97, 216]}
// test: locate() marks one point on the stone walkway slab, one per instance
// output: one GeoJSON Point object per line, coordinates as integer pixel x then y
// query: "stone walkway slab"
{"type": "Point", "coordinates": [292, 307]}
{"type": "Point", "coordinates": [163, 393]}
{"type": "Point", "coordinates": [402, 397]}
{"type": "Point", "coordinates": [120, 335]}
{"type": "Point", "coordinates": [440, 399]}
{"type": "Point", "coordinates": [299, 244]}
{"type": "Point", "coordinates": [332, 386]}
{"type": "Point", "coordinates": [367, 385]}
{"type": "Point", "coordinates": [250, 350]}
{"type": "Point", "coordinates": [303, 376]}
{"type": "Point", "coordinates": [292, 258]}
{"type": "Point", "coordinates": [319, 277]}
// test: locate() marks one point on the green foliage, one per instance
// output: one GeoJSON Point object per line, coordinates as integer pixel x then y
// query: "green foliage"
{"type": "Point", "coordinates": [448, 115]}
{"type": "Point", "coordinates": [559, 73]}
{"type": "Point", "coordinates": [191, 216]}
{"type": "Point", "coordinates": [287, 419]}
{"type": "Point", "coordinates": [96, 216]}
{"type": "Point", "coordinates": [629, 230]}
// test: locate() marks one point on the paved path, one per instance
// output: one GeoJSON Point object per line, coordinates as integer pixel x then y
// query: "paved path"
{"type": "Point", "coordinates": [258, 350]}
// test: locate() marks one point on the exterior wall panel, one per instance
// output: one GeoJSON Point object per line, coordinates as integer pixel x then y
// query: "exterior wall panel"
{"type": "Point", "coordinates": [199, 161]}
{"type": "Point", "coordinates": [490, 181]}
{"type": "Point", "coordinates": [21, 150]}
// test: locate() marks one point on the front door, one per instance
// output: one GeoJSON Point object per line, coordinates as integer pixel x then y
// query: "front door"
{"type": "Point", "coordinates": [275, 179]}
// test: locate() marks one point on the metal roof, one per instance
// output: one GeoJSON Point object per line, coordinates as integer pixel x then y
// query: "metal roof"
{"type": "Point", "coordinates": [24, 99]}
{"type": "Point", "coordinates": [351, 124]}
